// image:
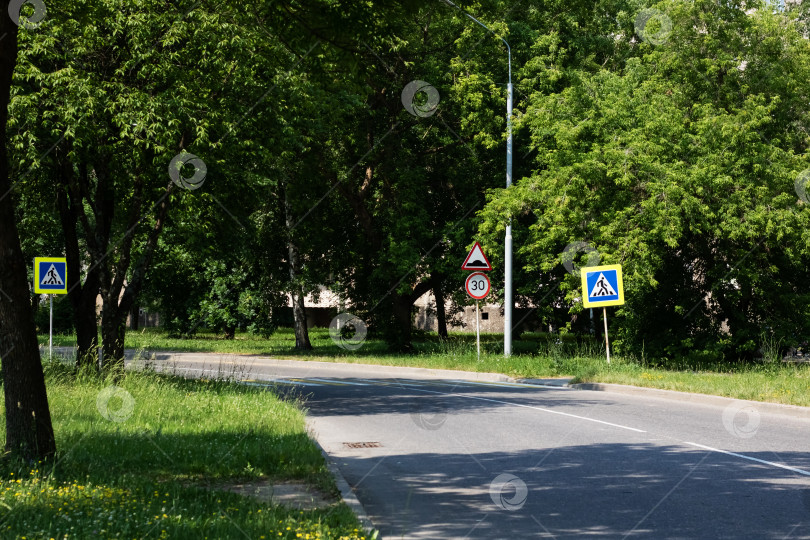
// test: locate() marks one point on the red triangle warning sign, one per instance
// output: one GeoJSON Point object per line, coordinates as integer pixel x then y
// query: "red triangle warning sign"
{"type": "Point", "coordinates": [476, 260]}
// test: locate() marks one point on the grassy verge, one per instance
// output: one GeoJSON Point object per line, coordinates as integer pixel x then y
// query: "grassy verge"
{"type": "Point", "coordinates": [535, 356]}
{"type": "Point", "coordinates": [149, 456]}
{"type": "Point", "coordinates": [776, 383]}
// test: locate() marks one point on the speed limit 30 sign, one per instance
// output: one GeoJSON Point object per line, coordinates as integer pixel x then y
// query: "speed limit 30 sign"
{"type": "Point", "coordinates": [477, 285]}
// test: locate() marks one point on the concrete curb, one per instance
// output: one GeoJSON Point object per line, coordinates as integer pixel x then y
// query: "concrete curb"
{"type": "Point", "coordinates": [346, 493]}
{"type": "Point", "coordinates": [793, 411]}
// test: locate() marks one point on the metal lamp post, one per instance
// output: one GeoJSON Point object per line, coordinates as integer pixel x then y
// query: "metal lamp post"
{"type": "Point", "coordinates": [507, 267]}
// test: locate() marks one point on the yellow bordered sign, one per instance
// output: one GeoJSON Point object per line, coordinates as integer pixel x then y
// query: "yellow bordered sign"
{"type": "Point", "coordinates": [602, 286]}
{"type": "Point", "coordinates": [50, 275]}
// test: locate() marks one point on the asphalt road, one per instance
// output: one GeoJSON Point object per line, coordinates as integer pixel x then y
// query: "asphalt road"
{"type": "Point", "coordinates": [431, 457]}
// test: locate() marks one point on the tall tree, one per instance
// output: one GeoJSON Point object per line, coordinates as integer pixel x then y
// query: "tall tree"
{"type": "Point", "coordinates": [408, 182]}
{"type": "Point", "coordinates": [680, 162]}
{"type": "Point", "coordinates": [121, 85]}
{"type": "Point", "coordinates": [297, 290]}
{"type": "Point", "coordinates": [29, 433]}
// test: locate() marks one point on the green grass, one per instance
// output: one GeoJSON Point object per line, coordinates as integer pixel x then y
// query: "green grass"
{"type": "Point", "coordinates": [152, 468]}
{"type": "Point", "coordinates": [787, 384]}
{"type": "Point", "coordinates": [535, 356]}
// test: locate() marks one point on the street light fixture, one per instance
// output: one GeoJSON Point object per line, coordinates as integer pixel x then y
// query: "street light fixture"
{"type": "Point", "coordinates": [507, 266]}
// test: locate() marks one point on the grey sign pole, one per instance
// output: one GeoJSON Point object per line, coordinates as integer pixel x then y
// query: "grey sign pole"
{"type": "Point", "coordinates": [50, 330]}
{"type": "Point", "coordinates": [607, 343]}
{"type": "Point", "coordinates": [508, 301]}
{"type": "Point", "coordinates": [477, 331]}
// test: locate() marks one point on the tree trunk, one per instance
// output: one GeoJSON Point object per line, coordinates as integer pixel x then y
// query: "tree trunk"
{"type": "Point", "coordinates": [29, 433]}
{"type": "Point", "coordinates": [399, 334]}
{"type": "Point", "coordinates": [299, 312]}
{"type": "Point", "coordinates": [135, 317]}
{"type": "Point", "coordinates": [113, 331]}
{"type": "Point", "coordinates": [441, 316]}
{"type": "Point", "coordinates": [302, 342]}
{"type": "Point", "coordinates": [84, 318]}
{"type": "Point", "coordinates": [83, 299]}
{"type": "Point", "coordinates": [82, 296]}
{"type": "Point", "coordinates": [119, 297]}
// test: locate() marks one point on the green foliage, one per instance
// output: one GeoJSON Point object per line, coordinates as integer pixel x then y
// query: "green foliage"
{"type": "Point", "coordinates": [234, 301]}
{"type": "Point", "coordinates": [680, 165]}
{"type": "Point", "coordinates": [62, 315]}
{"type": "Point", "coordinates": [675, 157]}
{"type": "Point", "coordinates": [105, 96]}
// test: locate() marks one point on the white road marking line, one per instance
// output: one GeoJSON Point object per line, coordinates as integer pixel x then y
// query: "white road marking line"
{"type": "Point", "coordinates": [297, 383]}
{"type": "Point", "coordinates": [527, 407]}
{"type": "Point", "coordinates": [446, 382]}
{"type": "Point", "coordinates": [417, 382]}
{"type": "Point", "coordinates": [749, 458]}
{"type": "Point", "coordinates": [394, 382]}
{"type": "Point", "coordinates": [458, 382]}
{"type": "Point", "coordinates": [319, 382]}
{"type": "Point", "coordinates": [480, 383]}
{"type": "Point", "coordinates": [340, 382]}
{"type": "Point", "coordinates": [275, 382]}
{"type": "Point", "coordinates": [509, 384]}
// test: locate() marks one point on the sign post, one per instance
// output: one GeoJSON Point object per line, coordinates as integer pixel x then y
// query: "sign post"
{"type": "Point", "coordinates": [477, 284]}
{"type": "Point", "coordinates": [478, 287]}
{"type": "Point", "coordinates": [602, 286]}
{"type": "Point", "coordinates": [477, 331]}
{"type": "Point", "coordinates": [50, 277]}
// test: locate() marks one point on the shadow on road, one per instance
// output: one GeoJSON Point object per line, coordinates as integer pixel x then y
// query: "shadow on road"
{"type": "Point", "coordinates": [600, 490]}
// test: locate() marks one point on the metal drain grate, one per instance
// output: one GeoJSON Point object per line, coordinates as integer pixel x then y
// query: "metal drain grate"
{"type": "Point", "coordinates": [372, 444]}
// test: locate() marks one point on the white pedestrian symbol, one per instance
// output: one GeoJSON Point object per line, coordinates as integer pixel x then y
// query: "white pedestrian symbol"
{"type": "Point", "coordinates": [52, 277]}
{"type": "Point", "coordinates": [602, 288]}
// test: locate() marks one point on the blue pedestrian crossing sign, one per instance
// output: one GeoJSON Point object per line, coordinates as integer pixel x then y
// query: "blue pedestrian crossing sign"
{"type": "Point", "coordinates": [50, 275]}
{"type": "Point", "coordinates": [602, 286]}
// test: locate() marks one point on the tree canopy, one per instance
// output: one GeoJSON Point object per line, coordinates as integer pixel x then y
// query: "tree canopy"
{"type": "Point", "coordinates": [680, 165]}
{"type": "Point", "coordinates": [361, 147]}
